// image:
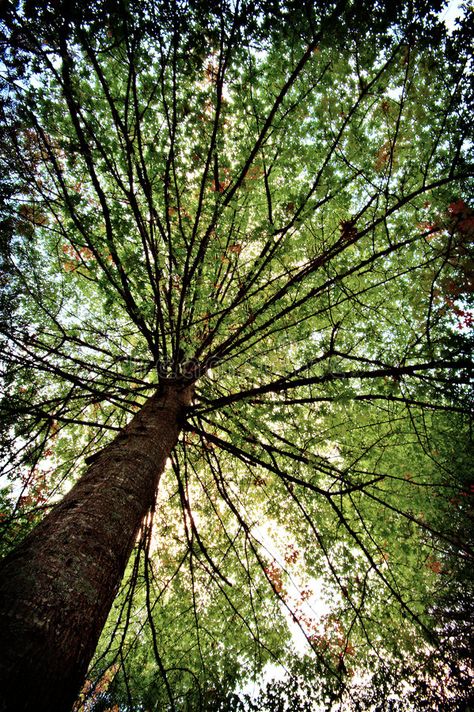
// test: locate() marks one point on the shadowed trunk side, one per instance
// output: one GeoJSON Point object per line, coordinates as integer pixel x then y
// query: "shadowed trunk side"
{"type": "Point", "coordinates": [57, 587]}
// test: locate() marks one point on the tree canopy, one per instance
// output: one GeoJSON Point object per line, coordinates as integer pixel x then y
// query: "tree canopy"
{"type": "Point", "coordinates": [270, 199]}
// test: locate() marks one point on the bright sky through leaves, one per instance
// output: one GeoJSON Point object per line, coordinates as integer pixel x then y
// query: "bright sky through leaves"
{"type": "Point", "coordinates": [272, 200]}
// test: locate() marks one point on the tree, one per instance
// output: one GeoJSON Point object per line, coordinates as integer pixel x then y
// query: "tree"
{"type": "Point", "coordinates": [236, 237]}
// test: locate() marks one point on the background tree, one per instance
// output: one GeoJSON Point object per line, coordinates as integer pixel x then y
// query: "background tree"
{"type": "Point", "coordinates": [248, 224]}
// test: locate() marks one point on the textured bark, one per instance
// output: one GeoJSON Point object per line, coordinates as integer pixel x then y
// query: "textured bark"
{"type": "Point", "coordinates": [57, 587]}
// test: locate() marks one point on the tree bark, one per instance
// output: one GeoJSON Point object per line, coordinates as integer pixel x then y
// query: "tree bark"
{"type": "Point", "coordinates": [57, 587]}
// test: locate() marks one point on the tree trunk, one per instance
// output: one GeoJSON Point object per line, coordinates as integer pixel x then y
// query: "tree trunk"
{"type": "Point", "coordinates": [57, 587]}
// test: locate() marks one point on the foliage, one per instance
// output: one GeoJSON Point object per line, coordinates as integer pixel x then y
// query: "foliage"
{"type": "Point", "coordinates": [271, 199]}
